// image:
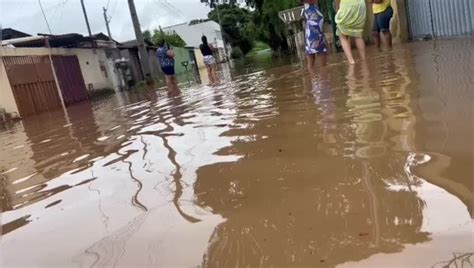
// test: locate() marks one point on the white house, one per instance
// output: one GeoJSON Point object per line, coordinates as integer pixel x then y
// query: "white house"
{"type": "Point", "coordinates": [191, 34]}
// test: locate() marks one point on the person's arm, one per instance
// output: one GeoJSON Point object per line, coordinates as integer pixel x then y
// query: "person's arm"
{"type": "Point", "coordinates": [170, 53]}
{"type": "Point", "coordinates": [213, 49]}
{"type": "Point", "coordinates": [337, 4]}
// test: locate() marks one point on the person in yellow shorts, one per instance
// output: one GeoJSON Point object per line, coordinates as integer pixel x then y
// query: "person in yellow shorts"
{"type": "Point", "coordinates": [383, 13]}
{"type": "Point", "coordinates": [350, 20]}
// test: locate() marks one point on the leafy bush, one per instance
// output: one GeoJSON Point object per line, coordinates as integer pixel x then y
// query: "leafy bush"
{"type": "Point", "coordinates": [172, 39]}
{"type": "Point", "coordinates": [236, 53]}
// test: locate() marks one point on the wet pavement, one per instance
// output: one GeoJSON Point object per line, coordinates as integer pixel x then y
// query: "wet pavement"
{"type": "Point", "coordinates": [361, 166]}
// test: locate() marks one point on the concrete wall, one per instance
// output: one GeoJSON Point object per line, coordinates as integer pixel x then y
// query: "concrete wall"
{"type": "Point", "coordinates": [182, 55]}
{"type": "Point", "coordinates": [153, 61]}
{"type": "Point", "coordinates": [7, 100]}
{"type": "Point", "coordinates": [94, 68]}
{"type": "Point", "coordinates": [93, 63]}
{"type": "Point", "coordinates": [131, 54]}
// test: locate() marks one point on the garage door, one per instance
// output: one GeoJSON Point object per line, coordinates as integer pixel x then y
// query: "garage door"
{"type": "Point", "coordinates": [70, 79]}
{"type": "Point", "coordinates": [33, 85]}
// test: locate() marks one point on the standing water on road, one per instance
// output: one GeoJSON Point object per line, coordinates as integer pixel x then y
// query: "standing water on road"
{"type": "Point", "coordinates": [360, 166]}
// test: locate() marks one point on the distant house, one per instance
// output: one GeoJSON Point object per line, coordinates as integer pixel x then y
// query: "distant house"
{"type": "Point", "coordinates": [82, 66]}
{"type": "Point", "coordinates": [9, 33]}
{"type": "Point", "coordinates": [129, 52]}
{"type": "Point", "coordinates": [191, 33]}
{"type": "Point", "coordinates": [184, 58]}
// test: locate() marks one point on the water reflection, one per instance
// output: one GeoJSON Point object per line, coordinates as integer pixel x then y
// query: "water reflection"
{"type": "Point", "coordinates": [294, 202]}
{"type": "Point", "coordinates": [271, 168]}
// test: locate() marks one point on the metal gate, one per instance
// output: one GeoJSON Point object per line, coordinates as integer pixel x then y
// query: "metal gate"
{"type": "Point", "coordinates": [440, 18]}
{"type": "Point", "coordinates": [32, 82]}
{"type": "Point", "coordinates": [70, 79]}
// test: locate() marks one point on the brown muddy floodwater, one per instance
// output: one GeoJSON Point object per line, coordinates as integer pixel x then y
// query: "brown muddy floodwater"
{"type": "Point", "coordinates": [363, 166]}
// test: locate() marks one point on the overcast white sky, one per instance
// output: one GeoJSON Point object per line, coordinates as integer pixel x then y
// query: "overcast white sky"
{"type": "Point", "coordinates": [65, 16]}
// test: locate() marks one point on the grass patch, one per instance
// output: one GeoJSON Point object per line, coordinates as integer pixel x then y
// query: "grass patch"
{"type": "Point", "coordinates": [258, 47]}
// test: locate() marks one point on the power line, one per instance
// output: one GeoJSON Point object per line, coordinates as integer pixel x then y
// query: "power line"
{"type": "Point", "coordinates": [170, 10]}
{"type": "Point", "coordinates": [170, 7]}
{"type": "Point", "coordinates": [62, 12]}
{"type": "Point", "coordinates": [177, 9]}
{"type": "Point", "coordinates": [62, 5]}
{"type": "Point", "coordinates": [44, 16]}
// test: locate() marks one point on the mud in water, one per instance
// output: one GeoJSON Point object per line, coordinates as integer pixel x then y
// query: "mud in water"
{"type": "Point", "coordinates": [360, 166]}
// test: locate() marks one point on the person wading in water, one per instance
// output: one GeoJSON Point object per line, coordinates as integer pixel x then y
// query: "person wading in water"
{"type": "Point", "coordinates": [207, 51]}
{"type": "Point", "coordinates": [165, 57]}
{"type": "Point", "coordinates": [383, 13]}
{"type": "Point", "coordinates": [350, 20]}
{"type": "Point", "coordinates": [315, 42]}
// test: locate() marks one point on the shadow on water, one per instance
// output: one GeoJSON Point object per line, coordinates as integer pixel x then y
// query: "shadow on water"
{"type": "Point", "coordinates": [270, 168]}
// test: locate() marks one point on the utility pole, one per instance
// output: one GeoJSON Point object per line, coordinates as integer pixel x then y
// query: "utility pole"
{"type": "Point", "coordinates": [85, 17]}
{"type": "Point", "coordinates": [141, 44]}
{"type": "Point", "coordinates": [107, 21]}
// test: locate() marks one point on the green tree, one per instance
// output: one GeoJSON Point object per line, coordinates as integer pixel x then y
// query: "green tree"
{"type": "Point", "coordinates": [265, 24]}
{"type": "Point", "coordinates": [242, 26]}
{"type": "Point", "coordinates": [147, 36]}
{"type": "Point", "coordinates": [172, 39]}
{"type": "Point", "coordinates": [271, 29]}
{"type": "Point", "coordinates": [238, 28]}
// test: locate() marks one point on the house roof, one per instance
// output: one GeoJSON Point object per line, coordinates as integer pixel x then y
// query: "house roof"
{"type": "Point", "coordinates": [191, 34]}
{"type": "Point", "coordinates": [25, 41]}
{"type": "Point", "coordinates": [72, 40]}
{"type": "Point", "coordinates": [65, 40]}
{"type": "Point", "coordinates": [9, 33]}
{"type": "Point", "coordinates": [104, 37]}
{"type": "Point", "coordinates": [134, 43]}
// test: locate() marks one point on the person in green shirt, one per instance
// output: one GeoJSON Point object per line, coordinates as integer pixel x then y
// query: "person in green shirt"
{"type": "Point", "coordinates": [383, 13]}
{"type": "Point", "coordinates": [350, 20]}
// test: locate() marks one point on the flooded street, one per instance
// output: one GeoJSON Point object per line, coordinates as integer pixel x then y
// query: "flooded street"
{"type": "Point", "coordinates": [361, 166]}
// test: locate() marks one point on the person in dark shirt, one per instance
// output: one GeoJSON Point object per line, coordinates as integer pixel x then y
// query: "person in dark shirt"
{"type": "Point", "coordinates": [207, 51]}
{"type": "Point", "coordinates": [165, 57]}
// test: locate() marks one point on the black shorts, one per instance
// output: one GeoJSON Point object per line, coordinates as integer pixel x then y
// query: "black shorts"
{"type": "Point", "coordinates": [168, 70]}
{"type": "Point", "coordinates": [382, 21]}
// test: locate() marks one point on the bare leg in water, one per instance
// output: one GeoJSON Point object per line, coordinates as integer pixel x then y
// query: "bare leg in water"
{"type": "Point", "coordinates": [214, 73]}
{"type": "Point", "coordinates": [386, 39]}
{"type": "Point", "coordinates": [209, 74]}
{"type": "Point", "coordinates": [310, 62]}
{"type": "Point", "coordinates": [376, 37]}
{"type": "Point", "coordinates": [346, 45]}
{"type": "Point", "coordinates": [171, 82]}
{"type": "Point", "coordinates": [324, 58]}
{"type": "Point", "coordinates": [360, 43]}
{"type": "Point", "coordinates": [175, 82]}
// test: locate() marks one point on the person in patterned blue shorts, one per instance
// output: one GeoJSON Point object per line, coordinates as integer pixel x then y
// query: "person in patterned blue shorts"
{"type": "Point", "coordinates": [315, 43]}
